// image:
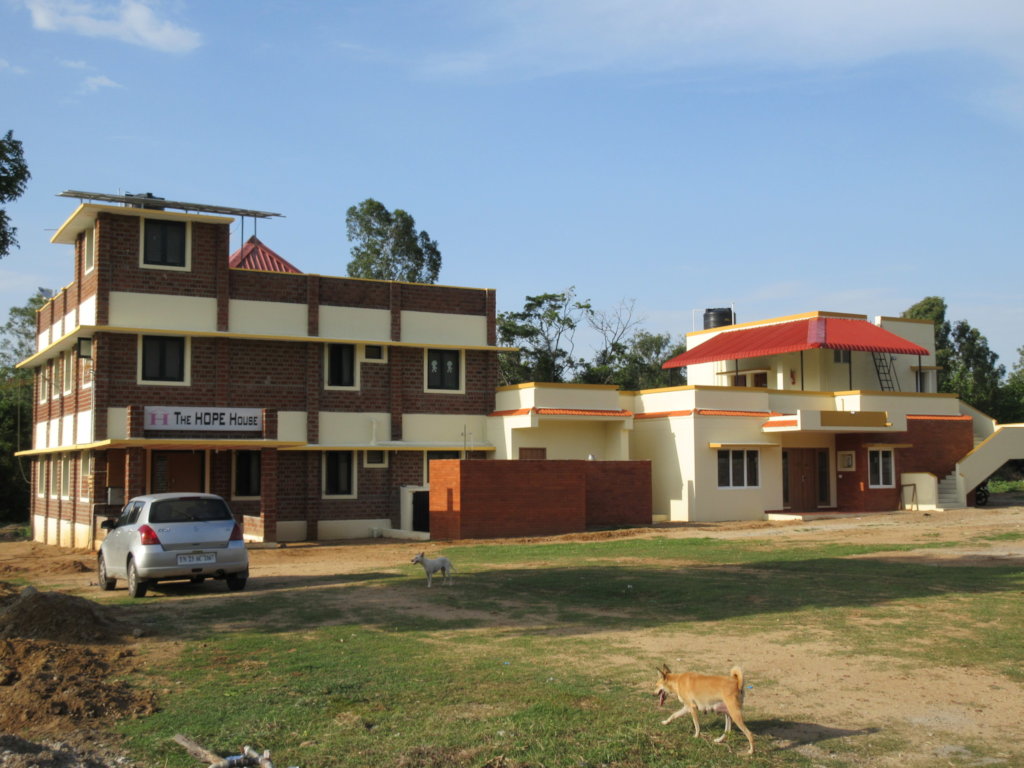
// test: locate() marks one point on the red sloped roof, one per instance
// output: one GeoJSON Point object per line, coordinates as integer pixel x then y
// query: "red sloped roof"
{"type": "Point", "coordinates": [794, 336]}
{"type": "Point", "coordinates": [255, 255]}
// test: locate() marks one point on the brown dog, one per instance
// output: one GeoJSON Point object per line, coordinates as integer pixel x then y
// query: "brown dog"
{"type": "Point", "coordinates": [705, 693]}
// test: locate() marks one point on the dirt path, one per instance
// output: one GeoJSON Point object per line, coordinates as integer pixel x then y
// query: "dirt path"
{"type": "Point", "coordinates": [808, 692]}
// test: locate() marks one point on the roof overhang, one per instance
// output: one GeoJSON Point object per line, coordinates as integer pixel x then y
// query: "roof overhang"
{"type": "Point", "coordinates": [796, 336]}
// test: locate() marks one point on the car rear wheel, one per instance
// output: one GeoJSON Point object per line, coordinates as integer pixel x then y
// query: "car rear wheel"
{"type": "Point", "coordinates": [136, 587]}
{"type": "Point", "coordinates": [236, 581]}
{"type": "Point", "coordinates": [106, 583]}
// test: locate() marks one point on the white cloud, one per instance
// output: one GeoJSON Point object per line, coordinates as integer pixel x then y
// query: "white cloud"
{"type": "Point", "coordinates": [6, 66]}
{"type": "Point", "coordinates": [130, 21]}
{"type": "Point", "coordinates": [74, 64]}
{"type": "Point", "coordinates": [93, 84]}
{"type": "Point", "coordinates": [543, 37]}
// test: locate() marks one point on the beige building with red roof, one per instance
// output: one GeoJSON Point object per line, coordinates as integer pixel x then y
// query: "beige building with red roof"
{"type": "Point", "coordinates": [819, 413]}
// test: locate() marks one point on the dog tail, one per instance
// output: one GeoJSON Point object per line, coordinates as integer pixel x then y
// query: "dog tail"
{"type": "Point", "coordinates": [737, 674]}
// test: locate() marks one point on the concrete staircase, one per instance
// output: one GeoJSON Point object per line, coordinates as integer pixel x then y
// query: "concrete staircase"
{"type": "Point", "coordinates": [948, 496]}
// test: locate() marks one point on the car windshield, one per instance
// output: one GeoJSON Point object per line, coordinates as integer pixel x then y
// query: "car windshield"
{"type": "Point", "coordinates": [188, 510]}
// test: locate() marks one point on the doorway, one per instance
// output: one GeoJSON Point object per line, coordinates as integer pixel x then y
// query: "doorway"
{"type": "Point", "coordinates": [804, 478]}
{"type": "Point", "coordinates": [177, 471]}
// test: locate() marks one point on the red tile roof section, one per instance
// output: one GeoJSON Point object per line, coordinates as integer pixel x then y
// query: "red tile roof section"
{"type": "Point", "coordinates": [794, 336]}
{"type": "Point", "coordinates": [255, 255]}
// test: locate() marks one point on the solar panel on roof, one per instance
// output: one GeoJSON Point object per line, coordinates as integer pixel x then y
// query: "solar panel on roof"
{"type": "Point", "coordinates": [149, 201]}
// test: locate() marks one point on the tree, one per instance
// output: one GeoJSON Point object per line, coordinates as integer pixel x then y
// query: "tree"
{"type": "Point", "coordinates": [973, 372]}
{"type": "Point", "coordinates": [388, 247]}
{"type": "Point", "coordinates": [17, 341]}
{"type": "Point", "coordinates": [544, 332]}
{"type": "Point", "coordinates": [13, 177]}
{"type": "Point", "coordinates": [1013, 392]}
{"type": "Point", "coordinates": [934, 308]}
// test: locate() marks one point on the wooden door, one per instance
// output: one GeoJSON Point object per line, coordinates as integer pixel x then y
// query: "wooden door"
{"type": "Point", "coordinates": [177, 471]}
{"type": "Point", "coordinates": [802, 476]}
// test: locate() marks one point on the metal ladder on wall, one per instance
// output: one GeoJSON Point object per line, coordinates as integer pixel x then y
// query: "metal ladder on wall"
{"type": "Point", "coordinates": [885, 367]}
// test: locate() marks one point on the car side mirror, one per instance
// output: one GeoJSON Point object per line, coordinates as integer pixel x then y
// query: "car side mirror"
{"type": "Point", "coordinates": [109, 524]}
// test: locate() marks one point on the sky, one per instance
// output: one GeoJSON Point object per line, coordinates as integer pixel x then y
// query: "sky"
{"type": "Point", "coordinates": [776, 157]}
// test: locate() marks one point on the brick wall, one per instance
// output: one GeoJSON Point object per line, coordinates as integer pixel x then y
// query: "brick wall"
{"type": "Point", "coordinates": [489, 499]}
{"type": "Point", "coordinates": [936, 444]}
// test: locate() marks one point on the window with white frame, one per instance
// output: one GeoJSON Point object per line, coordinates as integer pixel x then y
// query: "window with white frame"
{"type": "Point", "coordinates": [341, 365]}
{"type": "Point", "coordinates": [85, 475]}
{"type": "Point", "coordinates": [65, 476]}
{"type": "Point", "coordinates": [375, 458]}
{"type": "Point", "coordinates": [68, 360]}
{"type": "Point", "coordinates": [89, 247]}
{"type": "Point", "coordinates": [43, 381]}
{"type": "Point", "coordinates": [42, 476]}
{"type": "Point", "coordinates": [339, 473]}
{"type": "Point", "coordinates": [738, 468]}
{"type": "Point", "coordinates": [165, 243]}
{"type": "Point", "coordinates": [880, 468]}
{"type": "Point", "coordinates": [54, 478]}
{"type": "Point", "coordinates": [444, 369]}
{"type": "Point", "coordinates": [163, 359]}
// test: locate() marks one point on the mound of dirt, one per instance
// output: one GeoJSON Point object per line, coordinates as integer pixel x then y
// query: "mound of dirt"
{"type": "Point", "coordinates": [51, 687]}
{"type": "Point", "coordinates": [57, 655]}
{"type": "Point", "coordinates": [59, 617]}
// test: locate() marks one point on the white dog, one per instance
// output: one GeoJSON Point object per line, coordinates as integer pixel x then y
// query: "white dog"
{"type": "Point", "coordinates": [433, 565]}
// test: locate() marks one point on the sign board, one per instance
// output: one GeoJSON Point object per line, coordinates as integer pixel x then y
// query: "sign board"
{"type": "Point", "coordinates": [191, 418]}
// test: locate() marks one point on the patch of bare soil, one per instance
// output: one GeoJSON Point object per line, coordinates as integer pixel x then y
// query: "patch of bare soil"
{"type": "Point", "coordinates": [808, 694]}
{"type": "Point", "coordinates": [59, 658]}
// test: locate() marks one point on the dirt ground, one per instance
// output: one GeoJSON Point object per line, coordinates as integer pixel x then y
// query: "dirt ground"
{"type": "Point", "coordinates": [63, 652]}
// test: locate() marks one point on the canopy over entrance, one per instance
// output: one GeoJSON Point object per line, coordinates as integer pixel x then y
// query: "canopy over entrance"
{"type": "Point", "coordinates": [795, 336]}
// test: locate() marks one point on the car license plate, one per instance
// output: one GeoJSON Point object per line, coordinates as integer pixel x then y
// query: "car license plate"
{"type": "Point", "coordinates": [197, 559]}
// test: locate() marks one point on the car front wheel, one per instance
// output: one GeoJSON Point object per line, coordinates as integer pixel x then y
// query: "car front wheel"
{"type": "Point", "coordinates": [106, 583]}
{"type": "Point", "coordinates": [136, 586]}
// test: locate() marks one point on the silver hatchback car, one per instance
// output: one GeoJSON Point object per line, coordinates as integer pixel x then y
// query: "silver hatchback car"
{"type": "Point", "coordinates": [173, 536]}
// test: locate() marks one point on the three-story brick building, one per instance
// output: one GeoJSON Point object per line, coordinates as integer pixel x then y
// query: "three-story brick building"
{"type": "Point", "coordinates": [312, 403]}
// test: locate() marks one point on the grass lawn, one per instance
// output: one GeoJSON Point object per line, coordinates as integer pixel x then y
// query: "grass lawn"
{"type": "Point", "coordinates": [523, 662]}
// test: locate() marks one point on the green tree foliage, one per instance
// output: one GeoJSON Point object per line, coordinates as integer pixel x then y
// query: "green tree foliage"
{"type": "Point", "coordinates": [973, 371]}
{"type": "Point", "coordinates": [388, 247]}
{"type": "Point", "coordinates": [544, 332]}
{"type": "Point", "coordinates": [1013, 392]}
{"type": "Point", "coordinates": [934, 308]}
{"type": "Point", "coordinates": [635, 363]}
{"type": "Point", "coordinates": [967, 367]}
{"type": "Point", "coordinates": [17, 341]}
{"type": "Point", "coordinates": [14, 176]}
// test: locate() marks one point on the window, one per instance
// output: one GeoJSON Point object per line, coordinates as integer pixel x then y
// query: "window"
{"type": "Point", "coordinates": [376, 459]}
{"type": "Point", "coordinates": [738, 469]}
{"type": "Point", "coordinates": [163, 243]}
{"type": "Point", "coordinates": [840, 355]}
{"type": "Point", "coordinates": [880, 468]}
{"type": "Point", "coordinates": [338, 473]}
{"type": "Point", "coordinates": [85, 475]}
{"type": "Point", "coordinates": [86, 372]}
{"type": "Point", "coordinates": [89, 245]}
{"type": "Point", "coordinates": [163, 358]}
{"type": "Point", "coordinates": [65, 477]}
{"type": "Point", "coordinates": [69, 371]}
{"type": "Point", "coordinates": [247, 473]}
{"type": "Point", "coordinates": [42, 473]}
{"type": "Point", "coordinates": [43, 383]}
{"type": "Point", "coordinates": [443, 369]}
{"type": "Point", "coordinates": [373, 352]}
{"type": "Point", "coordinates": [341, 365]}
{"type": "Point", "coordinates": [54, 477]}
